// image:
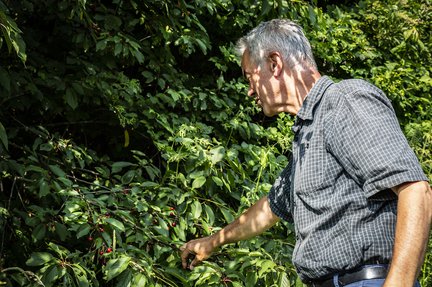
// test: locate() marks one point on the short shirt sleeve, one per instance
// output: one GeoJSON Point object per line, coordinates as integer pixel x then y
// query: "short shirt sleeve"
{"type": "Point", "coordinates": [369, 143]}
{"type": "Point", "coordinates": [280, 195]}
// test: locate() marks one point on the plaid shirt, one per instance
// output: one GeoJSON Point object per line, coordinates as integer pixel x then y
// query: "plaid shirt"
{"type": "Point", "coordinates": [348, 151]}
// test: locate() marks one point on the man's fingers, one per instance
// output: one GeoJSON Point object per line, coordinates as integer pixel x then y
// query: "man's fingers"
{"type": "Point", "coordinates": [197, 260]}
{"type": "Point", "coordinates": [185, 255]}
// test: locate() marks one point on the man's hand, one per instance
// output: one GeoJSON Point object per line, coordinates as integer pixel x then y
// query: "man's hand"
{"type": "Point", "coordinates": [199, 249]}
{"type": "Point", "coordinates": [257, 219]}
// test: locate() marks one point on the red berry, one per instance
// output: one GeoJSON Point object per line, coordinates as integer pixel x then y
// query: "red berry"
{"type": "Point", "coordinates": [90, 238]}
{"type": "Point", "coordinates": [109, 250]}
{"type": "Point", "coordinates": [101, 252]}
{"type": "Point", "coordinates": [107, 214]}
{"type": "Point", "coordinates": [172, 214]}
{"type": "Point", "coordinates": [172, 208]}
{"type": "Point", "coordinates": [173, 224]}
{"type": "Point", "coordinates": [101, 229]}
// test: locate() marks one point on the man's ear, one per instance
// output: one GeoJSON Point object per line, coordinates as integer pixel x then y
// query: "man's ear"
{"type": "Point", "coordinates": [276, 63]}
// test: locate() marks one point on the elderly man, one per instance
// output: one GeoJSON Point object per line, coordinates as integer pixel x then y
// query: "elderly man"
{"type": "Point", "coordinates": [359, 201]}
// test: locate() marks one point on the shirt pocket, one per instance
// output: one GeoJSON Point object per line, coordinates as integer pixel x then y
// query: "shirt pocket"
{"type": "Point", "coordinates": [313, 162]}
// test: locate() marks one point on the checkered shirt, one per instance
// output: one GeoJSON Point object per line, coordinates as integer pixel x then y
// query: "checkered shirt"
{"type": "Point", "coordinates": [348, 151]}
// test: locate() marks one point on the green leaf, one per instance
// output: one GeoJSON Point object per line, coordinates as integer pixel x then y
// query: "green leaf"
{"type": "Point", "coordinates": [4, 80]}
{"type": "Point", "coordinates": [83, 230]}
{"type": "Point", "coordinates": [57, 170]}
{"type": "Point", "coordinates": [3, 136]}
{"type": "Point", "coordinates": [118, 166]}
{"type": "Point", "coordinates": [251, 279]}
{"type": "Point", "coordinates": [210, 215]}
{"type": "Point", "coordinates": [51, 275]}
{"type": "Point", "coordinates": [284, 280]}
{"type": "Point", "coordinates": [163, 228]}
{"type": "Point", "coordinates": [61, 231]}
{"type": "Point", "coordinates": [227, 215]}
{"type": "Point", "coordinates": [39, 232]}
{"type": "Point", "coordinates": [71, 98]}
{"type": "Point", "coordinates": [43, 188]}
{"type": "Point", "coordinates": [39, 258]}
{"type": "Point", "coordinates": [217, 154]}
{"type": "Point", "coordinates": [118, 48]}
{"type": "Point", "coordinates": [124, 279]}
{"type": "Point", "coordinates": [178, 274]}
{"type": "Point", "coordinates": [115, 267]}
{"type": "Point", "coordinates": [196, 209]}
{"type": "Point", "coordinates": [116, 224]}
{"type": "Point", "coordinates": [80, 276]}
{"type": "Point", "coordinates": [217, 180]}
{"type": "Point", "coordinates": [60, 250]}
{"type": "Point", "coordinates": [265, 266]}
{"type": "Point", "coordinates": [198, 182]}
{"type": "Point", "coordinates": [139, 280]}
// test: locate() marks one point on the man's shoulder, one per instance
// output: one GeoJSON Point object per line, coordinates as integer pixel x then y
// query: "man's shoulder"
{"type": "Point", "coordinates": [353, 90]}
{"type": "Point", "coordinates": [352, 86]}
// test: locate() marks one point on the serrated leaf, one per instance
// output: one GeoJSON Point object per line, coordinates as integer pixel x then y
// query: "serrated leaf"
{"type": "Point", "coordinates": [139, 280]}
{"type": "Point", "coordinates": [83, 230]}
{"type": "Point", "coordinates": [80, 276]}
{"type": "Point", "coordinates": [118, 166]}
{"type": "Point", "coordinates": [61, 231]}
{"type": "Point", "coordinates": [227, 215]}
{"type": "Point", "coordinates": [39, 232]}
{"type": "Point", "coordinates": [39, 258]}
{"type": "Point", "coordinates": [210, 215]}
{"type": "Point", "coordinates": [198, 182]}
{"type": "Point", "coordinates": [163, 228]}
{"type": "Point", "coordinates": [217, 154]}
{"type": "Point", "coordinates": [178, 274]}
{"type": "Point", "coordinates": [284, 281]}
{"type": "Point", "coordinates": [51, 275]}
{"type": "Point", "coordinates": [124, 279]}
{"type": "Point", "coordinates": [71, 99]}
{"type": "Point", "coordinates": [57, 170]}
{"type": "Point", "coordinates": [265, 266]}
{"type": "Point", "coordinates": [43, 188]}
{"type": "Point", "coordinates": [217, 180]}
{"type": "Point", "coordinates": [116, 224]}
{"type": "Point", "coordinates": [115, 267]}
{"type": "Point", "coordinates": [196, 209]}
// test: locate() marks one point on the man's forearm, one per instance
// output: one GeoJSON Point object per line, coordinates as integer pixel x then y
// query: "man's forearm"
{"type": "Point", "coordinates": [257, 219]}
{"type": "Point", "coordinates": [254, 221]}
{"type": "Point", "coordinates": [412, 233]}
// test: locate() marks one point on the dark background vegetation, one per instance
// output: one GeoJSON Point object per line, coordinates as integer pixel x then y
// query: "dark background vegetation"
{"type": "Point", "coordinates": [125, 131]}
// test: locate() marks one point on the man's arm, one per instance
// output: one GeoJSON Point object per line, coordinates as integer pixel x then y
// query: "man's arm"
{"type": "Point", "coordinates": [414, 218]}
{"type": "Point", "coordinates": [257, 219]}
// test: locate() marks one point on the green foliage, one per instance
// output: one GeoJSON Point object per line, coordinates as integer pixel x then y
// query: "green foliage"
{"type": "Point", "coordinates": [11, 35]}
{"type": "Point", "coordinates": [127, 132]}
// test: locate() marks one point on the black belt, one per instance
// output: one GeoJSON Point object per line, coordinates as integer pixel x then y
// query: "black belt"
{"type": "Point", "coordinates": [365, 273]}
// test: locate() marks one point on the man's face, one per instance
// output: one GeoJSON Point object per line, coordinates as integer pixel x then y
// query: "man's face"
{"type": "Point", "coordinates": [262, 85]}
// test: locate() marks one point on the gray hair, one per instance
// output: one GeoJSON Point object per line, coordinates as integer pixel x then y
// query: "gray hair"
{"type": "Point", "coordinates": [277, 35]}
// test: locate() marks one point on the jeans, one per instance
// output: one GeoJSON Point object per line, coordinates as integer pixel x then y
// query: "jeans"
{"type": "Point", "coordinates": [369, 283]}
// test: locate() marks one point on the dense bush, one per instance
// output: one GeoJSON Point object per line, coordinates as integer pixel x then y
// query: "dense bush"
{"type": "Point", "coordinates": [125, 131]}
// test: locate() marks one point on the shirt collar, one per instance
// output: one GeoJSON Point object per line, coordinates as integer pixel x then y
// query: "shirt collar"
{"type": "Point", "coordinates": [313, 98]}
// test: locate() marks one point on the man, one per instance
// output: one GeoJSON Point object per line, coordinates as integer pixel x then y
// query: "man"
{"type": "Point", "coordinates": [360, 203]}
